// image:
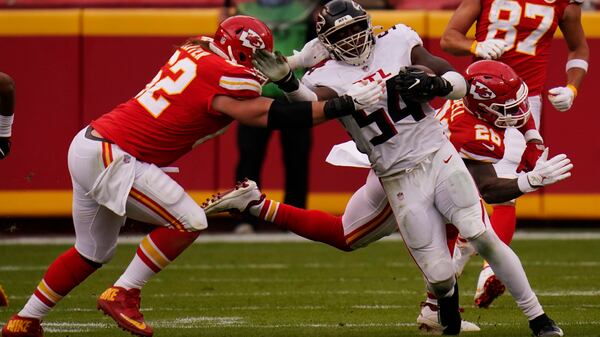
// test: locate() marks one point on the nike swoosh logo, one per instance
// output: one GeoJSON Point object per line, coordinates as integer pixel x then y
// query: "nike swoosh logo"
{"type": "Point", "coordinates": [417, 81]}
{"type": "Point", "coordinates": [447, 160]}
{"type": "Point", "coordinates": [491, 148]}
{"type": "Point", "coordinates": [141, 326]}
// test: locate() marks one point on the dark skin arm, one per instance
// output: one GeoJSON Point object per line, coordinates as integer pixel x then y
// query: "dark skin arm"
{"type": "Point", "coordinates": [420, 55]}
{"type": "Point", "coordinates": [7, 106]}
{"type": "Point", "coordinates": [7, 95]}
{"type": "Point", "coordinates": [494, 190]}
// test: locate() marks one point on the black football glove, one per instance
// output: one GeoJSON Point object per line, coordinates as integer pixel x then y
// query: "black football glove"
{"type": "Point", "coordinates": [4, 147]}
{"type": "Point", "coordinates": [415, 85]}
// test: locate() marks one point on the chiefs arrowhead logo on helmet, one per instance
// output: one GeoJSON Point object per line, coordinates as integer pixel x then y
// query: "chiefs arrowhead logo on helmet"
{"type": "Point", "coordinates": [481, 92]}
{"type": "Point", "coordinates": [251, 39]}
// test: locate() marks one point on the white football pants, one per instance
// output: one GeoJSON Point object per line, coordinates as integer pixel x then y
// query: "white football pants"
{"type": "Point", "coordinates": [423, 200]}
{"type": "Point", "coordinates": [154, 198]}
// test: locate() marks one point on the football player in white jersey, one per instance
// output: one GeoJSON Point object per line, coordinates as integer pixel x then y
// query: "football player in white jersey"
{"type": "Point", "coordinates": [423, 177]}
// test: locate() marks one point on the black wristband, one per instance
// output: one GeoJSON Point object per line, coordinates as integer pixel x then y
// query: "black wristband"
{"type": "Point", "coordinates": [339, 107]}
{"type": "Point", "coordinates": [289, 83]}
{"type": "Point", "coordinates": [286, 115]}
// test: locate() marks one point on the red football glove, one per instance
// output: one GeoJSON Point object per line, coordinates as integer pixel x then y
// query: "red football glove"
{"type": "Point", "coordinates": [532, 152]}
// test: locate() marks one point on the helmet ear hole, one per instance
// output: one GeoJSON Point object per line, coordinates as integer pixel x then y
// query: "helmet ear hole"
{"type": "Point", "coordinates": [242, 57]}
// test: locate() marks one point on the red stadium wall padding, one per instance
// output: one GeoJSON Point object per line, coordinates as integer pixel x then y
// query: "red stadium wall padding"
{"type": "Point", "coordinates": [109, 3]}
{"type": "Point", "coordinates": [48, 100]}
{"type": "Point", "coordinates": [66, 78]}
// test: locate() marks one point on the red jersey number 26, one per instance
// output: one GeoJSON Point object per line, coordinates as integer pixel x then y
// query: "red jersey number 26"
{"type": "Point", "coordinates": [152, 100]}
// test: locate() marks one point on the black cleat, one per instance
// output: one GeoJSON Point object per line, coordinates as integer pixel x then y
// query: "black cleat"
{"type": "Point", "coordinates": [543, 326]}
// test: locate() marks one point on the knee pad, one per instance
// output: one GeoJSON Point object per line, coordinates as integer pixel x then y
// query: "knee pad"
{"type": "Point", "coordinates": [194, 219]}
{"type": "Point", "coordinates": [442, 288]}
{"type": "Point", "coordinates": [462, 189]}
{"type": "Point", "coordinates": [485, 243]}
{"type": "Point", "coordinates": [470, 221]}
{"type": "Point", "coordinates": [97, 254]}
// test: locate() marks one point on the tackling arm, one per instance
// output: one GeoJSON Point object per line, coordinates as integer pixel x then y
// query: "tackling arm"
{"type": "Point", "coordinates": [255, 112]}
{"type": "Point", "coordinates": [493, 190]}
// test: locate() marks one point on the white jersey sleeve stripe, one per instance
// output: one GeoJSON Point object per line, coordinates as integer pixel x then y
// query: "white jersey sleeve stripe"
{"type": "Point", "coordinates": [239, 83]}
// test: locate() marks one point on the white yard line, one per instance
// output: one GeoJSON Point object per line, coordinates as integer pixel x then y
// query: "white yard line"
{"type": "Point", "coordinates": [290, 237]}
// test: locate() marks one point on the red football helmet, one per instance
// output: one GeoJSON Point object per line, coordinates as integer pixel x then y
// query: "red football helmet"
{"type": "Point", "coordinates": [497, 94]}
{"type": "Point", "coordinates": [239, 36]}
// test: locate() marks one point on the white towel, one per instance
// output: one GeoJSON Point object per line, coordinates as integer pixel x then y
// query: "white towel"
{"type": "Point", "coordinates": [346, 154]}
{"type": "Point", "coordinates": [112, 186]}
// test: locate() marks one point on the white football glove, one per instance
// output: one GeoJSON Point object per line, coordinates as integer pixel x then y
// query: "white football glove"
{"type": "Point", "coordinates": [546, 172]}
{"type": "Point", "coordinates": [490, 49]}
{"type": "Point", "coordinates": [561, 98]}
{"type": "Point", "coordinates": [365, 93]}
{"type": "Point", "coordinates": [311, 54]}
{"type": "Point", "coordinates": [272, 65]}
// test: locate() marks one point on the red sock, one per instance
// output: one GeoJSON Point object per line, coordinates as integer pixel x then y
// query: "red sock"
{"type": "Point", "coordinates": [504, 221]}
{"type": "Point", "coordinates": [163, 245]}
{"type": "Point", "coordinates": [310, 224]}
{"type": "Point", "coordinates": [64, 274]}
{"type": "Point", "coordinates": [451, 237]}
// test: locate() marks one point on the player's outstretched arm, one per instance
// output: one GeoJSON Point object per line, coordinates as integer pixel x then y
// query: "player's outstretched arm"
{"type": "Point", "coordinates": [562, 97]}
{"type": "Point", "coordinates": [496, 190]}
{"type": "Point", "coordinates": [7, 104]}
{"type": "Point", "coordinates": [281, 114]}
{"type": "Point", "coordinates": [455, 40]}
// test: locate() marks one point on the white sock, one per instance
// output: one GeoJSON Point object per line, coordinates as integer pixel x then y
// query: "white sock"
{"type": "Point", "coordinates": [34, 308]}
{"type": "Point", "coordinates": [136, 275]}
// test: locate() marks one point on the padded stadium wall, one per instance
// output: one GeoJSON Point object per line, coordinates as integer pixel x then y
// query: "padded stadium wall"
{"type": "Point", "coordinates": [72, 65]}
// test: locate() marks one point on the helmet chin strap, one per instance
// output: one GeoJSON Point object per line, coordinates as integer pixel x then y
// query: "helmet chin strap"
{"type": "Point", "coordinates": [221, 53]}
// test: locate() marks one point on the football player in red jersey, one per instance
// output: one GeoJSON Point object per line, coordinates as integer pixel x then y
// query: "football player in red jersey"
{"type": "Point", "coordinates": [475, 126]}
{"type": "Point", "coordinates": [115, 166]}
{"type": "Point", "coordinates": [519, 33]}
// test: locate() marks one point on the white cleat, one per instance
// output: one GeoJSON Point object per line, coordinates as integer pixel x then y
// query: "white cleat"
{"type": "Point", "coordinates": [463, 251]}
{"type": "Point", "coordinates": [238, 199]}
{"type": "Point", "coordinates": [489, 288]}
{"type": "Point", "coordinates": [429, 322]}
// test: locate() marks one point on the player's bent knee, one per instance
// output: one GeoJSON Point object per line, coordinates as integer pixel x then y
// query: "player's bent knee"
{"type": "Point", "coordinates": [470, 221]}
{"type": "Point", "coordinates": [194, 219]}
{"type": "Point", "coordinates": [440, 276]}
{"type": "Point", "coordinates": [442, 288]}
{"type": "Point", "coordinates": [96, 255]}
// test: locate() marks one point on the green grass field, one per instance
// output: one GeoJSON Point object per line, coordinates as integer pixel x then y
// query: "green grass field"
{"type": "Point", "coordinates": [308, 289]}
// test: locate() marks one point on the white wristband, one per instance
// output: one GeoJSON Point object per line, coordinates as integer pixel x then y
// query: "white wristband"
{"type": "Point", "coordinates": [6, 125]}
{"type": "Point", "coordinates": [524, 185]}
{"type": "Point", "coordinates": [301, 94]}
{"type": "Point", "coordinates": [533, 135]}
{"type": "Point", "coordinates": [577, 63]}
{"type": "Point", "coordinates": [459, 85]}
